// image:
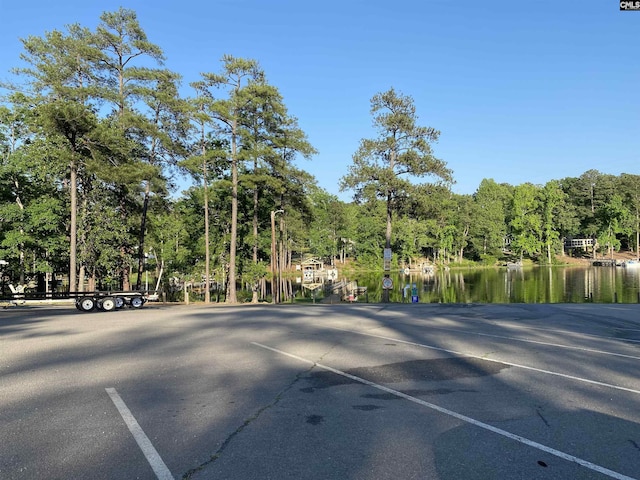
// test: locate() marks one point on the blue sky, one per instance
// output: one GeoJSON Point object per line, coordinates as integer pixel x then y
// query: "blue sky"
{"type": "Point", "coordinates": [522, 91]}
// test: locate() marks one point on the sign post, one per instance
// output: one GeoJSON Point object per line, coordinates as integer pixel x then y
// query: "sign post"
{"type": "Point", "coordinates": [387, 283]}
{"type": "Point", "coordinates": [387, 259]}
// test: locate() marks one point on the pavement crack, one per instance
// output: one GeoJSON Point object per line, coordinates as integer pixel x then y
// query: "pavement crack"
{"type": "Point", "coordinates": [542, 418]}
{"type": "Point", "coordinates": [321, 358]}
{"type": "Point", "coordinates": [245, 424]}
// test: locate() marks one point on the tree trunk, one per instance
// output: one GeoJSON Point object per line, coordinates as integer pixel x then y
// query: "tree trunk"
{"type": "Point", "coordinates": [143, 227]}
{"type": "Point", "coordinates": [282, 266]}
{"type": "Point", "coordinates": [255, 218]}
{"type": "Point", "coordinates": [80, 279]}
{"type": "Point", "coordinates": [387, 240]}
{"type": "Point", "coordinates": [637, 239]}
{"type": "Point", "coordinates": [254, 297]}
{"type": "Point", "coordinates": [231, 287]}
{"type": "Point", "coordinates": [73, 229]}
{"type": "Point", "coordinates": [387, 243]}
{"type": "Point", "coordinates": [207, 253]}
{"type": "Point", "coordinates": [274, 283]}
{"type": "Point", "coordinates": [92, 281]}
{"type": "Point", "coordinates": [254, 291]}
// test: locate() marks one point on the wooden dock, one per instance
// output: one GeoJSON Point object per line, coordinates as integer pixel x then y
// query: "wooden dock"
{"type": "Point", "coordinates": [604, 262]}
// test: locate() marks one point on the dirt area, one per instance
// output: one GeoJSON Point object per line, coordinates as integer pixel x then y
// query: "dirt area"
{"type": "Point", "coordinates": [626, 255]}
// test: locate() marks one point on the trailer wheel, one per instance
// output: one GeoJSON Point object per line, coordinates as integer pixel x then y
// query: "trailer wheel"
{"type": "Point", "coordinates": [119, 302]}
{"type": "Point", "coordinates": [86, 304]}
{"type": "Point", "coordinates": [136, 302]}
{"type": "Point", "coordinates": [108, 304]}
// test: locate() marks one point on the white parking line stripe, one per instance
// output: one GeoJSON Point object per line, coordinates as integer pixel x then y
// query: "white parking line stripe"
{"type": "Point", "coordinates": [569, 332]}
{"type": "Point", "coordinates": [158, 466]}
{"type": "Point", "coordinates": [517, 365]}
{"type": "Point", "coordinates": [464, 418]}
{"type": "Point", "coordinates": [548, 344]}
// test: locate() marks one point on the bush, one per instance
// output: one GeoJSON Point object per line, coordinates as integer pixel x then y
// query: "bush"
{"type": "Point", "coordinates": [488, 260]}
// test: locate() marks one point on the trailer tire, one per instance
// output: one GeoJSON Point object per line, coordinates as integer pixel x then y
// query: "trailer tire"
{"type": "Point", "coordinates": [107, 304]}
{"type": "Point", "coordinates": [136, 302]}
{"type": "Point", "coordinates": [119, 302]}
{"type": "Point", "coordinates": [86, 304]}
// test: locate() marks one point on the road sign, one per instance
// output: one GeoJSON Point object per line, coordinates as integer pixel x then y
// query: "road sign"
{"type": "Point", "coordinates": [387, 283]}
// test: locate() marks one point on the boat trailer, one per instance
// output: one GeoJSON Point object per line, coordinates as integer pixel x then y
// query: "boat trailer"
{"type": "Point", "coordinates": [106, 301]}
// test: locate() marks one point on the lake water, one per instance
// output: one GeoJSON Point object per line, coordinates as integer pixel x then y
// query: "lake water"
{"type": "Point", "coordinates": [509, 285]}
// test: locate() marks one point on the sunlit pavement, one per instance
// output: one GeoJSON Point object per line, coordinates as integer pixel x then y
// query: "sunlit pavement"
{"type": "Point", "coordinates": [321, 392]}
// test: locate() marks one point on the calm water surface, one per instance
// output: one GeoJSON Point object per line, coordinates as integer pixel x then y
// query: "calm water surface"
{"type": "Point", "coordinates": [510, 285]}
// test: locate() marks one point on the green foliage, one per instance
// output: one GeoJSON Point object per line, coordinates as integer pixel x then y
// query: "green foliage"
{"type": "Point", "coordinates": [613, 218]}
{"type": "Point", "coordinates": [327, 233]}
{"type": "Point", "coordinates": [402, 149]}
{"type": "Point", "coordinates": [254, 272]}
{"type": "Point", "coordinates": [526, 222]}
{"type": "Point", "coordinates": [383, 168]}
{"type": "Point", "coordinates": [90, 147]}
{"type": "Point", "coordinates": [489, 229]}
{"type": "Point", "coordinates": [488, 260]}
{"type": "Point", "coordinates": [629, 188]}
{"type": "Point", "coordinates": [553, 202]}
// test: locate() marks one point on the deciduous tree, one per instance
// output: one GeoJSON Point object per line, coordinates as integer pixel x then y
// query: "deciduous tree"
{"type": "Point", "coordinates": [526, 222]}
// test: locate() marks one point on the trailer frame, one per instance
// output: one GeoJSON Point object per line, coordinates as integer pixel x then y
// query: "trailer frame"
{"type": "Point", "coordinates": [85, 301]}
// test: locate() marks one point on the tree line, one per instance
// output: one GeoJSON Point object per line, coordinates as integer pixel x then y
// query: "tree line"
{"type": "Point", "coordinates": [95, 133]}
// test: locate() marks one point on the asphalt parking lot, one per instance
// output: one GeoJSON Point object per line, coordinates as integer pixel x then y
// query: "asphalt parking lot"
{"type": "Point", "coordinates": [321, 392]}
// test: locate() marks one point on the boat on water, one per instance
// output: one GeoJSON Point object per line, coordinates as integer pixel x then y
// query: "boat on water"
{"type": "Point", "coordinates": [631, 264]}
